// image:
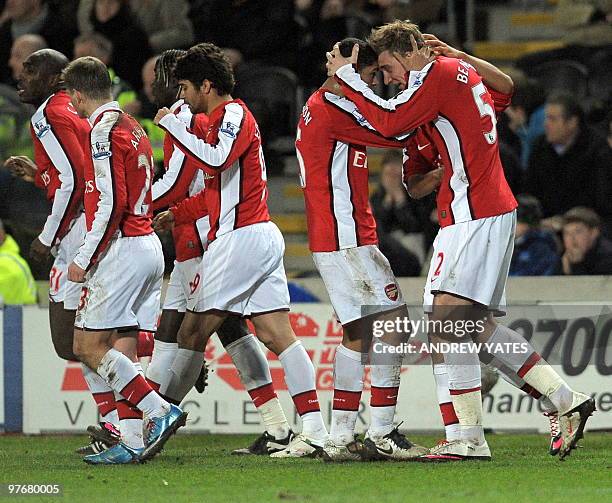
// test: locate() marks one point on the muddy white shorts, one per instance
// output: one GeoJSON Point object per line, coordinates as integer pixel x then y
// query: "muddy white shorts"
{"type": "Point", "coordinates": [183, 281]}
{"type": "Point", "coordinates": [472, 260]}
{"type": "Point", "coordinates": [123, 290]}
{"type": "Point", "coordinates": [359, 282]}
{"type": "Point", "coordinates": [60, 289]}
{"type": "Point", "coordinates": [242, 272]}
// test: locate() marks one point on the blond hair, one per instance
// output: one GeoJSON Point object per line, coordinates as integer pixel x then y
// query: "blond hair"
{"type": "Point", "coordinates": [395, 37]}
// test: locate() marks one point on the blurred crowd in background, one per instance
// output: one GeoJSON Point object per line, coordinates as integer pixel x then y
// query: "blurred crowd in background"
{"type": "Point", "coordinates": [555, 139]}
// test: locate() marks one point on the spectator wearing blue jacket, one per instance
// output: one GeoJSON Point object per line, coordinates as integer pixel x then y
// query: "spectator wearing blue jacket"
{"type": "Point", "coordinates": [535, 249]}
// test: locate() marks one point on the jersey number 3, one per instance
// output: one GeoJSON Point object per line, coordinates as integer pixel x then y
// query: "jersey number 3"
{"type": "Point", "coordinates": [484, 108]}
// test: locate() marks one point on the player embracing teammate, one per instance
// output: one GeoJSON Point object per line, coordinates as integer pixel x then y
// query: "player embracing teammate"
{"type": "Point", "coordinates": [331, 147]}
{"type": "Point", "coordinates": [447, 98]}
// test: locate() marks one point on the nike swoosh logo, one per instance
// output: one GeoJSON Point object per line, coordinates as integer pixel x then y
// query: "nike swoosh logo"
{"type": "Point", "coordinates": [422, 147]}
{"type": "Point", "coordinates": [388, 451]}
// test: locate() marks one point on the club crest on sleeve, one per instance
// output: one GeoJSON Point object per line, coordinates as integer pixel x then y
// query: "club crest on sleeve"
{"type": "Point", "coordinates": [392, 291]}
{"type": "Point", "coordinates": [418, 81]}
{"type": "Point", "coordinates": [41, 128]}
{"type": "Point", "coordinates": [101, 150]}
{"type": "Point", "coordinates": [229, 129]}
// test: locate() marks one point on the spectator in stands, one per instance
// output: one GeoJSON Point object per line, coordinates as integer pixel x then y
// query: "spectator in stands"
{"type": "Point", "coordinates": [396, 216]}
{"type": "Point", "coordinates": [23, 46]}
{"type": "Point", "coordinates": [526, 114]}
{"type": "Point", "coordinates": [535, 249]}
{"type": "Point", "coordinates": [570, 165]}
{"type": "Point", "coordinates": [17, 285]}
{"type": "Point", "coordinates": [97, 45]}
{"type": "Point", "coordinates": [390, 202]}
{"type": "Point", "coordinates": [165, 22]}
{"type": "Point", "coordinates": [513, 170]}
{"type": "Point", "coordinates": [115, 20]}
{"type": "Point", "coordinates": [587, 252]}
{"type": "Point", "coordinates": [15, 115]}
{"type": "Point", "coordinates": [32, 16]}
{"type": "Point", "coordinates": [144, 109]}
{"type": "Point", "coordinates": [143, 105]}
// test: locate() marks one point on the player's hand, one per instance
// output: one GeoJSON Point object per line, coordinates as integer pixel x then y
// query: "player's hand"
{"type": "Point", "coordinates": [76, 274]}
{"type": "Point", "coordinates": [415, 60]}
{"type": "Point", "coordinates": [164, 221]}
{"type": "Point", "coordinates": [38, 251]}
{"type": "Point", "coordinates": [440, 48]}
{"type": "Point", "coordinates": [335, 60]}
{"type": "Point", "coordinates": [161, 113]}
{"type": "Point", "coordinates": [21, 166]}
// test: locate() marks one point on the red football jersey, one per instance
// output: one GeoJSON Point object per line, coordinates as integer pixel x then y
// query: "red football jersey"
{"type": "Point", "coordinates": [191, 209]}
{"type": "Point", "coordinates": [183, 178]}
{"type": "Point", "coordinates": [331, 149]}
{"type": "Point", "coordinates": [450, 100]}
{"type": "Point", "coordinates": [61, 140]}
{"type": "Point", "coordinates": [117, 182]}
{"type": "Point", "coordinates": [234, 168]}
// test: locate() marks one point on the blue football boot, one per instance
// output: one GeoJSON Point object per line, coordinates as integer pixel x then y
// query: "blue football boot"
{"type": "Point", "coordinates": [160, 429]}
{"type": "Point", "coordinates": [118, 454]}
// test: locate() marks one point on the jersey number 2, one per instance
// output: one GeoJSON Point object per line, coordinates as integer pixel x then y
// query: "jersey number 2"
{"type": "Point", "coordinates": [140, 208]}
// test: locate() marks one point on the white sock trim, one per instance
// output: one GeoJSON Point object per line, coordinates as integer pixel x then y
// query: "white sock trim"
{"type": "Point", "coordinates": [242, 341]}
{"type": "Point", "coordinates": [288, 350]}
{"type": "Point", "coordinates": [349, 353]}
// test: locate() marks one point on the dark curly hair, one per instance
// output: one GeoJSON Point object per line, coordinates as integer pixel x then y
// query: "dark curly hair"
{"type": "Point", "coordinates": [206, 62]}
{"type": "Point", "coordinates": [366, 56]}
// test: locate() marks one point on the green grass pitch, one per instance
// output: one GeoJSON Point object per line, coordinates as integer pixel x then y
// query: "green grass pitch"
{"type": "Point", "coordinates": [199, 468]}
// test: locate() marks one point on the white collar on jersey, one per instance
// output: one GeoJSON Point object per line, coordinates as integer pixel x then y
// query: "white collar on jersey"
{"type": "Point", "coordinates": [111, 105]}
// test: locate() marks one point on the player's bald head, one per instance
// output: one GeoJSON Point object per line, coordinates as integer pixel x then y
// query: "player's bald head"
{"type": "Point", "coordinates": [47, 62]}
{"type": "Point", "coordinates": [41, 75]}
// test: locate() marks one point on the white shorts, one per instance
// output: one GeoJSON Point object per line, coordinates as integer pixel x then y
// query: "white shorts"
{"type": "Point", "coordinates": [123, 290]}
{"type": "Point", "coordinates": [181, 284]}
{"type": "Point", "coordinates": [242, 272]}
{"type": "Point", "coordinates": [472, 260]}
{"type": "Point", "coordinates": [60, 289]}
{"type": "Point", "coordinates": [359, 282]}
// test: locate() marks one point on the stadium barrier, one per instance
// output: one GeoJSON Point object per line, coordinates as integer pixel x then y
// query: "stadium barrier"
{"type": "Point", "coordinates": [41, 393]}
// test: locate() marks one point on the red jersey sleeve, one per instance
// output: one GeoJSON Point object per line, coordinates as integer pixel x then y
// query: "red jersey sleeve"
{"type": "Point", "coordinates": [191, 209]}
{"type": "Point", "coordinates": [416, 105]}
{"type": "Point", "coordinates": [501, 101]}
{"type": "Point", "coordinates": [174, 185]}
{"type": "Point", "coordinates": [350, 126]}
{"type": "Point", "coordinates": [64, 150]}
{"type": "Point", "coordinates": [110, 182]}
{"type": "Point", "coordinates": [414, 162]}
{"type": "Point", "coordinates": [42, 162]}
{"type": "Point", "coordinates": [233, 139]}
